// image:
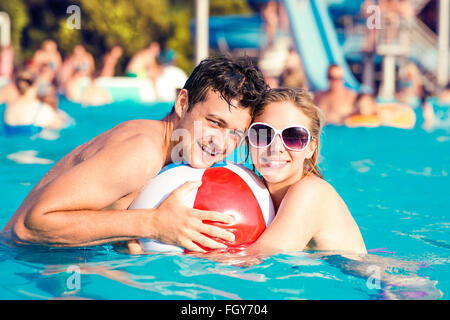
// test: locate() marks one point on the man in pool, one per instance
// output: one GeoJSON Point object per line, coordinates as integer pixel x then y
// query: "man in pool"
{"type": "Point", "coordinates": [83, 199]}
{"type": "Point", "coordinates": [337, 102]}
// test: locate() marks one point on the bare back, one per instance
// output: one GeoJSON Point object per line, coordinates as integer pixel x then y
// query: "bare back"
{"type": "Point", "coordinates": [336, 105]}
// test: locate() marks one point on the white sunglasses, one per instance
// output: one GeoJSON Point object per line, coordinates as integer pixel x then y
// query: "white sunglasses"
{"type": "Point", "coordinates": [295, 138]}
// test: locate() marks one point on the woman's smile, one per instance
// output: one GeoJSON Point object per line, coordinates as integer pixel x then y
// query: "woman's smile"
{"type": "Point", "coordinates": [273, 163]}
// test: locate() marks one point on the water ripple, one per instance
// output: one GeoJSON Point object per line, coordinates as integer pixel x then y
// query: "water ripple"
{"type": "Point", "coordinates": [27, 157]}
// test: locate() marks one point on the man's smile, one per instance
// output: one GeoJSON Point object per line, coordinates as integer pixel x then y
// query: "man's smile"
{"type": "Point", "coordinates": [209, 150]}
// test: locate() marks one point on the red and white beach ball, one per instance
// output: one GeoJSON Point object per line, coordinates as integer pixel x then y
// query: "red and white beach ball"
{"type": "Point", "coordinates": [228, 188]}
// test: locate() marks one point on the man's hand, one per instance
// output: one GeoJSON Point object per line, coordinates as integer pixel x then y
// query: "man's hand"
{"type": "Point", "coordinates": [177, 224]}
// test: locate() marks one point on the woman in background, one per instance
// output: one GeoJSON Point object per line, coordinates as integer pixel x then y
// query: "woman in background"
{"type": "Point", "coordinates": [28, 113]}
{"type": "Point", "coordinates": [372, 114]}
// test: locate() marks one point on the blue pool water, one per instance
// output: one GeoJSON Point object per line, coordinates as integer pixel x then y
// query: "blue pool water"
{"type": "Point", "coordinates": [395, 182]}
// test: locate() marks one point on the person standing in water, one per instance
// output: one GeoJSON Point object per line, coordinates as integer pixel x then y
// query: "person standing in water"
{"type": "Point", "coordinates": [28, 109]}
{"type": "Point", "coordinates": [337, 102]}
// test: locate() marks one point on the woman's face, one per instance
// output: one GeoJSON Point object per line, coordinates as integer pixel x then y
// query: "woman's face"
{"type": "Point", "coordinates": [276, 163]}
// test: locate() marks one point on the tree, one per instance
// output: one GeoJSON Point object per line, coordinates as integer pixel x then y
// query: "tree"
{"type": "Point", "coordinates": [132, 24]}
{"type": "Point", "coordinates": [18, 14]}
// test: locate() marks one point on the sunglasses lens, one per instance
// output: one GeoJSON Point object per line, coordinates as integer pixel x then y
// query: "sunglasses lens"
{"type": "Point", "coordinates": [260, 135]}
{"type": "Point", "coordinates": [295, 138]}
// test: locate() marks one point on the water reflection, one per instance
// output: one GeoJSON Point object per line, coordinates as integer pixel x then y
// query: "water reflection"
{"type": "Point", "coordinates": [48, 273]}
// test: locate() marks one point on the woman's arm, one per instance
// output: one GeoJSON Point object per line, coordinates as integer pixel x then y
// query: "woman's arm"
{"type": "Point", "coordinates": [298, 218]}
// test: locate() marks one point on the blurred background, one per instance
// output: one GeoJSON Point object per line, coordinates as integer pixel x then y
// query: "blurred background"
{"type": "Point", "coordinates": [130, 24]}
{"type": "Point", "coordinates": [396, 50]}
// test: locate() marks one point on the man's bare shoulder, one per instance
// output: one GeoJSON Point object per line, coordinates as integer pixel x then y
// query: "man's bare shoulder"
{"type": "Point", "coordinates": [318, 95]}
{"type": "Point", "coordinates": [131, 146]}
{"type": "Point", "coordinates": [323, 100]}
{"type": "Point", "coordinates": [141, 133]}
{"type": "Point", "coordinates": [141, 138]}
{"type": "Point", "coordinates": [135, 143]}
{"type": "Point", "coordinates": [144, 127]}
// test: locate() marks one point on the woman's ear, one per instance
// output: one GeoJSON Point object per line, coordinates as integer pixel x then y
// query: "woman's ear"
{"type": "Point", "coordinates": [311, 148]}
{"type": "Point", "coordinates": [181, 103]}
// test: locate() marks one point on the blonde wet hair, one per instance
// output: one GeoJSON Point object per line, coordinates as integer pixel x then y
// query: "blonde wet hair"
{"type": "Point", "coordinates": [303, 100]}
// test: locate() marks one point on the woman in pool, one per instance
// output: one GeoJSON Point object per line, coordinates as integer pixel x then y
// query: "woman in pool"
{"type": "Point", "coordinates": [372, 114]}
{"type": "Point", "coordinates": [284, 147]}
{"type": "Point", "coordinates": [30, 110]}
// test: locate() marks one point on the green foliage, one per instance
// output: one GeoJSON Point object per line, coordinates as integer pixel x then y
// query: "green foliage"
{"type": "Point", "coordinates": [18, 15]}
{"type": "Point", "coordinates": [228, 7]}
{"type": "Point", "coordinates": [67, 38]}
{"type": "Point", "coordinates": [181, 40]}
{"type": "Point", "coordinates": [132, 24]}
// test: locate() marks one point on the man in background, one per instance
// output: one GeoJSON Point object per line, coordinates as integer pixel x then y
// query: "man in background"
{"type": "Point", "coordinates": [337, 102]}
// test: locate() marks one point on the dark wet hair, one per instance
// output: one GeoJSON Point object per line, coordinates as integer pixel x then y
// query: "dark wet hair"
{"type": "Point", "coordinates": [24, 80]}
{"type": "Point", "coordinates": [232, 78]}
{"type": "Point", "coordinates": [332, 66]}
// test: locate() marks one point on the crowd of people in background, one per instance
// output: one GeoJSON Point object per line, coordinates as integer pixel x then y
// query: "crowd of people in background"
{"type": "Point", "coordinates": [31, 91]}
{"type": "Point", "coordinates": [282, 66]}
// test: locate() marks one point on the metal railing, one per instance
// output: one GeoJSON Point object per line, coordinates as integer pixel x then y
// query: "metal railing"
{"type": "Point", "coordinates": [405, 38]}
{"type": "Point", "coordinates": [419, 4]}
{"type": "Point", "coordinates": [5, 29]}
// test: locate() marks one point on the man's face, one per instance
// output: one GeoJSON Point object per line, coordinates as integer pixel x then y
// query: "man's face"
{"type": "Point", "coordinates": [335, 76]}
{"type": "Point", "coordinates": [210, 131]}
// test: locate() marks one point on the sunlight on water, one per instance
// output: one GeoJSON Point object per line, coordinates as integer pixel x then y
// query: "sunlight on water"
{"type": "Point", "coordinates": [27, 157]}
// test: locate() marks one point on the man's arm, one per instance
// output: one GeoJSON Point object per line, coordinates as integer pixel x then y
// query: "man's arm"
{"type": "Point", "coordinates": [68, 211]}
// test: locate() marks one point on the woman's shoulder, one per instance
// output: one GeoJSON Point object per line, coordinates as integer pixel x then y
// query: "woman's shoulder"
{"type": "Point", "coordinates": [311, 198]}
{"type": "Point", "coordinates": [22, 105]}
{"type": "Point", "coordinates": [46, 114]}
{"type": "Point", "coordinates": [46, 109]}
{"type": "Point", "coordinates": [319, 195]}
{"type": "Point", "coordinates": [312, 186]}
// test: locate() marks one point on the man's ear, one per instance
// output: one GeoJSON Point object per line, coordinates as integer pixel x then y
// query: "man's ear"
{"type": "Point", "coordinates": [181, 103]}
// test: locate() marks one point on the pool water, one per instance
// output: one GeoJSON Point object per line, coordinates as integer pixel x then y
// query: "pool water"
{"type": "Point", "coordinates": [395, 182]}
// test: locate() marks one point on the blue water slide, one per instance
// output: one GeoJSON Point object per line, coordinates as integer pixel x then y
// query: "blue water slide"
{"type": "Point", "coordinates": [235, 32]}
{"type": "Point", "coordinates": [340, 8]}
{"type": "Point", "coordinates": [317, 43]}
{"type": "Point", "coordinates": [313, 30]}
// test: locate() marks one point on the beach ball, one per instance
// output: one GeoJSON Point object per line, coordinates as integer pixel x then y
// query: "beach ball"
{"type": "Point", "coordinates": [228, 188]}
